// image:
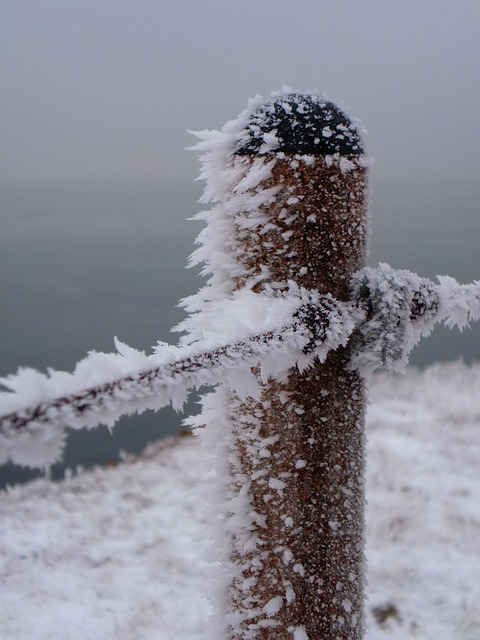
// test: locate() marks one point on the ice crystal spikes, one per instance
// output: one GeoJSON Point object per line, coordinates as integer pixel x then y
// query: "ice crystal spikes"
{"type": "Point", "coordinates": [287, 181]}
{"type": "Point", "coordinates": [299, 123]}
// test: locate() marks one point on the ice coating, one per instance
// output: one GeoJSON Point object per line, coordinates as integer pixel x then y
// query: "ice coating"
{"type": "Point", "coordinates": [390, 310]}
{"type": "Point", "coordinates": [288, 207]}
{"type": "Point", "coordinates": [242, 189]}
{"type": "Point", "coordinates": [300, 123]}
{"type": "Point", "coordinates": [246, 331]}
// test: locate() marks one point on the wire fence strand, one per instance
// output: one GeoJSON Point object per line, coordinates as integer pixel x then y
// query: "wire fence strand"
{"type": "Point", "coordinates": [389, 313]}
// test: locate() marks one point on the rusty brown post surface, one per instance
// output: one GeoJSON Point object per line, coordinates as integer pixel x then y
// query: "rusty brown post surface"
{"type": "Point", "coordinates": [300, 448]}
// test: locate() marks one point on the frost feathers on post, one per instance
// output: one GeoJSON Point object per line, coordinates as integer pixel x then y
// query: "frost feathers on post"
{"type": "Point", "coordinates": [238, 165]}
{"type": "Point", "coordinates": [287, 180]}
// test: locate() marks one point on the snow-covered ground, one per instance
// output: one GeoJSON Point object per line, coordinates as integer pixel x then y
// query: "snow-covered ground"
{"type": "Point", "coordinates": [115, 553]}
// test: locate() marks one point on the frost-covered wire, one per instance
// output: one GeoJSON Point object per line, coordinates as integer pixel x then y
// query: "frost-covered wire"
{"type": "Point", "coordinates": [390, 310]}
{"type": "Point", "coordinates": [289, 331]}
{"type": "Point", "coordinates": [400, 308]}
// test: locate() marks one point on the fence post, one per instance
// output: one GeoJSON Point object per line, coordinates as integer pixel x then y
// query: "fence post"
{"type": "Point", "coordinates": [297, 453]}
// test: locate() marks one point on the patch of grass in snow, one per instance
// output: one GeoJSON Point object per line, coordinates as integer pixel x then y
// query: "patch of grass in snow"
{"type": "Point", "coordinates": [385, 613]}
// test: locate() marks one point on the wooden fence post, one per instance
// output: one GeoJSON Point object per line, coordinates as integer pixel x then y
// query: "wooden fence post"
{"type": "Point", "coordinates": [300, 449]}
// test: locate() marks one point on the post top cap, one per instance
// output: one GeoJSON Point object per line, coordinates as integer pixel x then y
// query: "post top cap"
{"type": "Point", "coordinates": [299, 123]}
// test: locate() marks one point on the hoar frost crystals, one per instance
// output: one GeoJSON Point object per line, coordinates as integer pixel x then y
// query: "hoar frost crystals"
{"type": "Point", "coordinates": [288, 184]}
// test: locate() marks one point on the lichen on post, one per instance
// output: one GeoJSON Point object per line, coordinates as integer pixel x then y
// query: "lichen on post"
{"type": "Point", "coordinates": [290, 180]}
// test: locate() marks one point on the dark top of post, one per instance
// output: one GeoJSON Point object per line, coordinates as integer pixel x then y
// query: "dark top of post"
{"type": "Point", "coordinates": [297, 123]}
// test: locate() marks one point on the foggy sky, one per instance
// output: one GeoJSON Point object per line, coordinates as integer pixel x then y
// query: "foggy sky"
{"type": "Point", "coordinates": [104, 90]}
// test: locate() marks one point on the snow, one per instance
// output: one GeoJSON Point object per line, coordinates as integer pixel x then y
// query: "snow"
{"type": "Point", "coordinates": [300, 634]}
{"type": "Point", "coordinates": [118, 552]}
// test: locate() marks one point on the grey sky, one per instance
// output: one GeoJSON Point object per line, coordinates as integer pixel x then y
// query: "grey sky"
{"type": "Point", "coordinates": [104, 90]}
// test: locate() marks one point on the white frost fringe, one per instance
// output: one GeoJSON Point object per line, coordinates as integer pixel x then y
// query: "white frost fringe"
{"type": "Point", "coordinates": [238, 321]}
{"type": "Point", "coordinates": [403, 308]}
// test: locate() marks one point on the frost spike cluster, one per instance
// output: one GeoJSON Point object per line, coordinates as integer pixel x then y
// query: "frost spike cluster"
{"type": "Point", "coordinates": [39, 407]}
{"type": "Point", "coordinates": [391, 308]}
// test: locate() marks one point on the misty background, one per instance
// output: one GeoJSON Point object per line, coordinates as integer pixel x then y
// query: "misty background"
{"type": "Point", "coordinates": [96, 183]}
